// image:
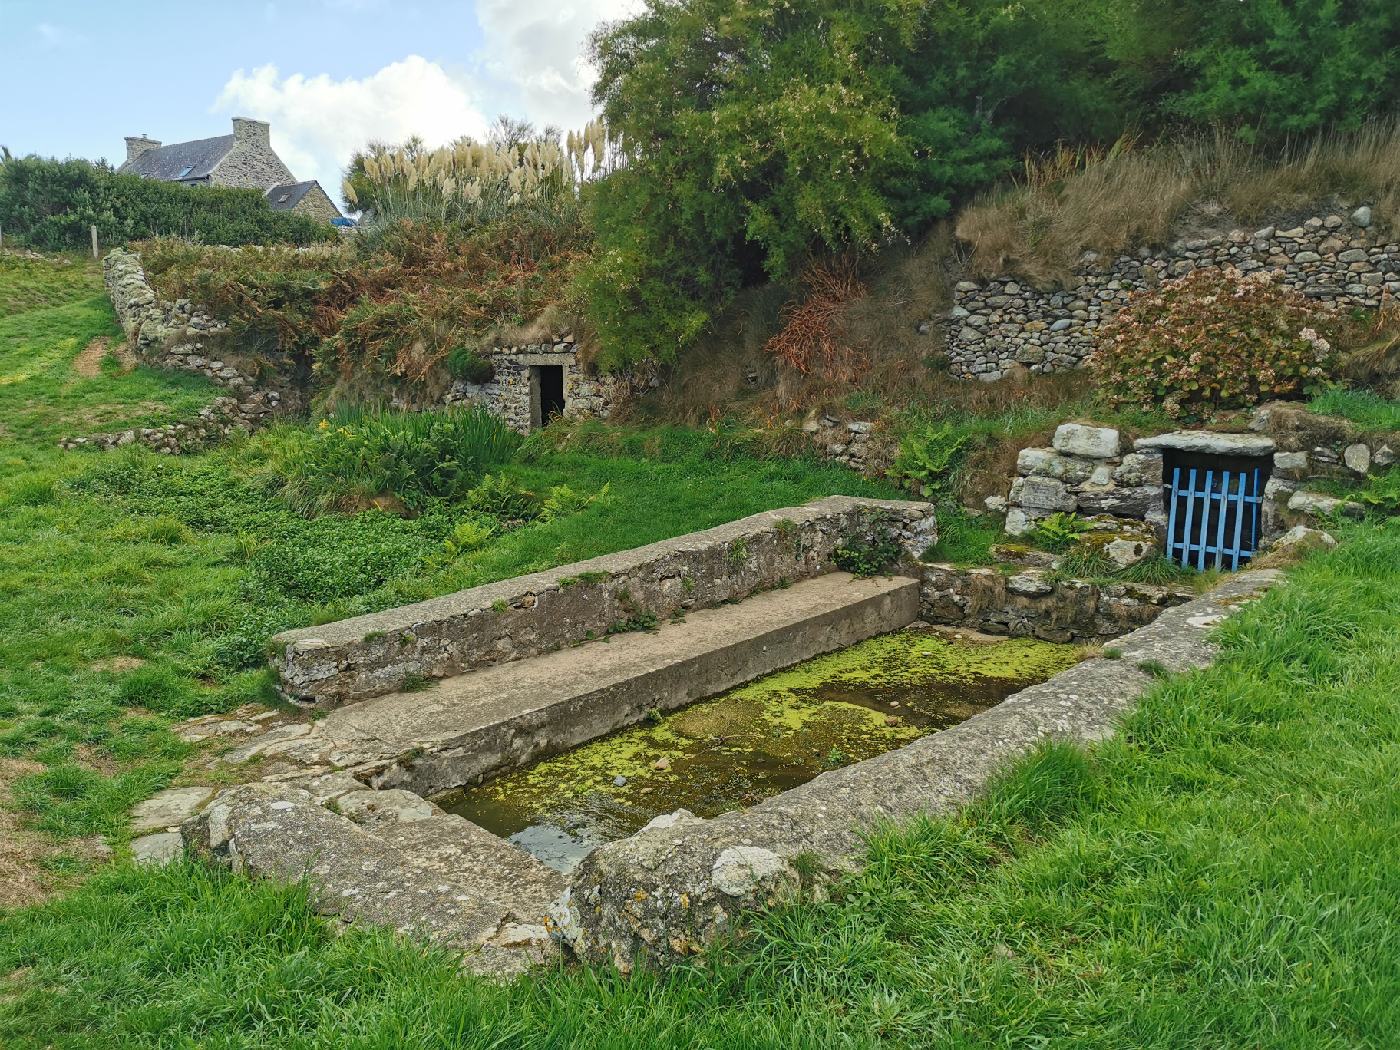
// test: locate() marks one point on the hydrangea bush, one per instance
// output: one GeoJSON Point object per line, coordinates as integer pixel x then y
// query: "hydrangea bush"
{"type": "Point", "coordinates": [1214, 339]}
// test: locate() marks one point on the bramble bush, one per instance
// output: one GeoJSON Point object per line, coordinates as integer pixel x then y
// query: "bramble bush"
{"type": "Point", "coordinates": [1214, 339]}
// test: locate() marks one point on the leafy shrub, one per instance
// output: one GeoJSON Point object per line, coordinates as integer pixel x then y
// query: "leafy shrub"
{"type": "Point", "coordinates": [862, 556]}
{"type": "Point", "coordinates": [466, 364]}
{"type": "Point", "coordinates": [929, 458]}
{"type": "Point", "coordinates": [1060, 531]}
{"type": "Point", "coordinates": [51, 204]}
{"type": "Point", "coordinates": [498, 497]}
{"type": "Point", "coordinates": [414, 457]}
{"type": "Point", "coordinates": [1213, 339]}
{"type": "Point", "coordinates": [1382, 492]}
{"type": "Point", "coordinates": [468, 536]}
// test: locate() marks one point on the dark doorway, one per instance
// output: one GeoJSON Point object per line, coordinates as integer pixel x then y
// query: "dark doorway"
{"type": "Point", "coordinates": [1213, 508]}
{"type": "Point", "coordinates": [549, 393]}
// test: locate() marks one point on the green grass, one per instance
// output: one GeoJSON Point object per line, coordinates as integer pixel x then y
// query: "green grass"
{"type": "Point", "coordinates": [1363, 407]}
{"type": "Point", "coordinates": [191, 563]}
{"type": "Point", "coordinates": [1223, 873]}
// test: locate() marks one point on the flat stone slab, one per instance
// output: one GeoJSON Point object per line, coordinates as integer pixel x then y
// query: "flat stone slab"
{"type": "Point", "coordinates": [503, 716]}
{"type": "Point", "coordinates": [167, 810]}
{"type": "Point", "coordinates": [157, 850]}
{"type": "Point", "coordinates": [284, 833]}
{"type": "Point", "coordinates": [682, 882]}
{"type": "Point", "coordinates": [1209, 443]}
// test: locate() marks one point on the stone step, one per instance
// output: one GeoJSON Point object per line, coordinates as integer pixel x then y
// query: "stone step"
{"type": "Point", "coordinates": [466, 728]}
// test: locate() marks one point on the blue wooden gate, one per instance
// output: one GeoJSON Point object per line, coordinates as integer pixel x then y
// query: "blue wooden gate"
{"type": "Point", "coordinates": [1213, 517]}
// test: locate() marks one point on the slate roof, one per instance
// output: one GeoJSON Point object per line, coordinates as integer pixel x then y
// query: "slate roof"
{"type": "Point", "coordinates": [292, 191]}
{"type": "Point", "coordinates": [170, 162]}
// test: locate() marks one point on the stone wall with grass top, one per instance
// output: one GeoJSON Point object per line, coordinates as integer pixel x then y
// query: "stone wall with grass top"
{"type": "Point", "coordinates": [529, 615]}
{"type": "Point", "coordinates": [182, 336]}
{"type": "Point", "coordinates": [1002, 324]}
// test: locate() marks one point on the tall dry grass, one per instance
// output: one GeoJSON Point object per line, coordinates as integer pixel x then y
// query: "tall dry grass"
{"type": "Point", "coordinates": [1113, 199]}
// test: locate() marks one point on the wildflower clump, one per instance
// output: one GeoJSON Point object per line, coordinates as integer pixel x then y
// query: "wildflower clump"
{"type": "Point", "coordinates": [1214, 339]}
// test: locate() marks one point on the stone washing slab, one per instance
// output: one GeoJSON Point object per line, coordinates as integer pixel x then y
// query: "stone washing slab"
{"type": "Point", "coordinates": [1208, 443]}
{"type": "Point", "coordinates": [682, 882]}
{"type": "Point", "coordinates": [392, 880]}
{"type": "Point", "coordinates": [523, 617]}
{"type": "Point", "coordinates": [498, 718]}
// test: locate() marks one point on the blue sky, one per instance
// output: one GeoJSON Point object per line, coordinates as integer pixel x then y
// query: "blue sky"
{"type": "Point", "coordinates": [78, 75]}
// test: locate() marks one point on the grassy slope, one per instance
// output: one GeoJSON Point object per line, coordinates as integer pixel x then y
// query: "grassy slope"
{"type": "Point", "coordinates": [186, 565]}
{"type": "Point", "coordinates": [1224, 873]}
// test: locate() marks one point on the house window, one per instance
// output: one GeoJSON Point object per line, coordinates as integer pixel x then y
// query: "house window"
{"type": "Point", "coordinates": [284, 198]}
{"type": "Point", "coordinates": [185, 171]}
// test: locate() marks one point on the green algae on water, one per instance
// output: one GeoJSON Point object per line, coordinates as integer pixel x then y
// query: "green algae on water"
{"type": "Point", "coordinates": [757, 740]}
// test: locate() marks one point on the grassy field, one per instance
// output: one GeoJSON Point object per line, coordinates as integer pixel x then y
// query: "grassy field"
{"type": "Point", "coordinates": [1224, 873]}
{"type": "Point", "coordinates": [137, 589]}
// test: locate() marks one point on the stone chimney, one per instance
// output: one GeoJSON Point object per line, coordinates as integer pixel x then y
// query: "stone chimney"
{"type": "Point", "coordinates": [139, 144]}
{"type": "Point", "coordinates": [252, 131]}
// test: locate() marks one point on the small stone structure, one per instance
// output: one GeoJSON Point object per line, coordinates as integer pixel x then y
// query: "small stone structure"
{"type": "Point", "coordinates": [182, 336]}
{"type": "Point", "coordinates": [1087, 470]}
{"type": "Point", "coordinates": [533, 384]}
{"type": "Point", "coordinates": [335, 810]}
{"type": "Point", "coordinates": [997, 325]}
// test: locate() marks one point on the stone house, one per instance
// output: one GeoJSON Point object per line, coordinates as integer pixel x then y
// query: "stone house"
{"type": "Point", "coordinates": [244, 160]}
{"type": "Point", "coordinates": [533, 384]}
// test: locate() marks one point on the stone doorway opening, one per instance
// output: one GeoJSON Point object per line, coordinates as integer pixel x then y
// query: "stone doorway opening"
{"type": "Point", "coordinates": [546, 394]}
{"type": "Point", "coordinates": [1213, 505]}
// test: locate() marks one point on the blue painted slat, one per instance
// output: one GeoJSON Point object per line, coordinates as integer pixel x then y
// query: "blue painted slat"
{"type": "Point", "coordinates": [1190, 510]}
{"type": "Point", "coordinates": [1205, 519]}
{"type": "Point", "coordinates": [1236, 549]}
{"type": "Point", "coordinates": [1224, 504]}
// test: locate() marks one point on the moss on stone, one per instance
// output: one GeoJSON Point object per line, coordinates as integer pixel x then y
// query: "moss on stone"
{"type": "Point", "coordinates": [767, 736]}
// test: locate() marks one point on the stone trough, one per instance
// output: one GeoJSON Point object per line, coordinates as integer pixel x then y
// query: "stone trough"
{"type": "Point", "coordinates": [344, 801]}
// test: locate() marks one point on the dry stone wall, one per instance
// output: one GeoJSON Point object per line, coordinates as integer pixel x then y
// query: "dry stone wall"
{"type": "Point", "coordinates": [180, 335]}
{"type": "Point", "coordinates": [1005, 323]}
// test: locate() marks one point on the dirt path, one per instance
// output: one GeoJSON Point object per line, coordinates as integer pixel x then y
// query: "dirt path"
{"type": "Point", "coordinates": [88, 364]}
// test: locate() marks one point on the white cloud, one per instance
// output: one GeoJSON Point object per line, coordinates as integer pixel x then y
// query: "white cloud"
{"type": "Point", "coordinates": [532, 55]}
{"type": "Point", "coordinates": [55, 36]}
{"type": "Point", "coordinates": [318, 122]}
{"type": "Point", "coordinates": [536, 48]}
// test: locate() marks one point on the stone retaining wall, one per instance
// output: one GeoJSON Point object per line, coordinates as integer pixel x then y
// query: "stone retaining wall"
{"type": "Point", "coordinates": [1000, 324]}
{"type": "Point", "coordinates": [529, 615]}
{"type": "Point", "coordinates": [1036, 603]}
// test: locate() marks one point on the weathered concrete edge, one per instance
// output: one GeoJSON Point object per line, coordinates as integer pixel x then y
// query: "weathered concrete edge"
{"type": "Point", "coordinates": [681, 882]}
{"type": "Point", "coordinates": [376, 653]}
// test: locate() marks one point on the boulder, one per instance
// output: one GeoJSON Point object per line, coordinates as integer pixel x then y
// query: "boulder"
{"type": "Point", "coordinates": [1302, 540]}
{"type": "Point", "coordinates": [1357, 457]}
{"type": "Point", "coordinates": [1076, 439]}
{"type": "Point", "coordinates": [1138, 469]}
{"type": "Point", "coordinates": [1046, 462]}
{"type": "Point", "coordinates": [1121, 502]}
